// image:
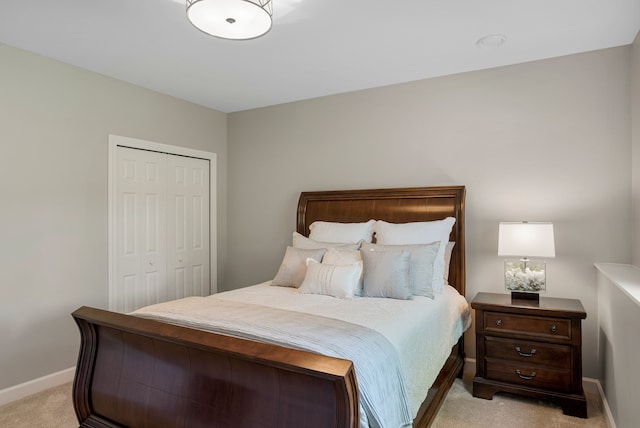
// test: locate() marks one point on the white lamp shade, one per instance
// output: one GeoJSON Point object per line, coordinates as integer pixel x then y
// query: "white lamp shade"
{"type": "Point", "coordinates": [231, 19]}
{"type": "Point", "coordinates": [526, 240]}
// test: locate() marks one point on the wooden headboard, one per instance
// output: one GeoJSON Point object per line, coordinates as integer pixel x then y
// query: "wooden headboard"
{"type": "Point", "coordinates": [394, 206]}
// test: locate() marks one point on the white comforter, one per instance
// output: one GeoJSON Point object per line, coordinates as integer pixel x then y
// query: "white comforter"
{"type": "Point", "coordinates": [421, 330]}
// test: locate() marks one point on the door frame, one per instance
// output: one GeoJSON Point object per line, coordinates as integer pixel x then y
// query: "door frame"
{"type": "Point", "coordinates": [114, 142]}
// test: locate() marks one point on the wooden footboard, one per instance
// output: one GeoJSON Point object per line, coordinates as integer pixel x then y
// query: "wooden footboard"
{"type": "Point", "coordinates": [134, 372]}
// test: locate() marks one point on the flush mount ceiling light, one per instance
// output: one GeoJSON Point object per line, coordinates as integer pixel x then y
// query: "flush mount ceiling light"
{"type": "Point", "coordinates": [231, 19]}
{"type": "Point", "coordinates": [492, 41]}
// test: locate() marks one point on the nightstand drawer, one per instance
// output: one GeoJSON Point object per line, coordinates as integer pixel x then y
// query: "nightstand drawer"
{"type": "Point", "coordinates": [529, 375]}
{"type": "Point", "coordinates": [528, 352]}
{"type": "Point", "coordinates": [544, 327]}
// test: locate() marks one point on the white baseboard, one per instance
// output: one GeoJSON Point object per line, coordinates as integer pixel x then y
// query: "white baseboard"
{"type": "Point", "coordinates": [594, 385]}
{"type": "Point", "coordinates": [589, 384]}
{"type": "Point", "coordinates": [34, 386]}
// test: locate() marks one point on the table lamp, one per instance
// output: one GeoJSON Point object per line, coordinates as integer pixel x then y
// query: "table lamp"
{"type": "Point", "coordinates": [525, 278]}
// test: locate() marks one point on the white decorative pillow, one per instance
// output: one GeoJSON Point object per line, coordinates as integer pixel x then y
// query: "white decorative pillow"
{"type": "Point", "coordinates": [294, 266]}
{"type": "Point", "coordinates": [331, 280]}
{"type": "Point", "coordinates": [301, 241]}
{"type": "Point", "coordinates": [421, 264]}
{"type": "Point", "coordinates": [344, 256]}
{"type": "Point", "coordinates": [327, 231]}
{"type": "Point", "coordinates": [419, 233]}
{"type": "Point", "coordinates": [386, 274]}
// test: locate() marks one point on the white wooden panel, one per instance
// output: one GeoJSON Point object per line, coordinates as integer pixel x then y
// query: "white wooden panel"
{"type": "Point", "coordinates": [152, 288]}
{"type": "Point", "coordinates": [127, 295]}
{"type": "Point", "coordinates": [198, 281]}
{"type": "Point", "coordinates": [180, 172]}
{"type": "Point", "coordinates": [180, 222]}
{"type": "Point", "coordinates": [140, 223]}
{"type": "Point", "coordinates": [128, 170]}
{"type": "Point", "coordinates": [152, 175]}
{"type": "Point", "coordinates": [152, 223]}
{"type": "Point", "coordinates": [188, 244]}
{"type": "Point", "coordinates": [197, 222]}
{"type": "Point", "coordinates": [180, 283]}
{"type": "Point", "coordinates": [129, 223]}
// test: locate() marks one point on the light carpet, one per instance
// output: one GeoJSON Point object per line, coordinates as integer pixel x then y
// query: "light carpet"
{"type": "Point", "coordinates": [461, 409]}
{"type": "Point", "coordinates": [47, 409]}
{"type": "Point", "coordinates": [53, 409]}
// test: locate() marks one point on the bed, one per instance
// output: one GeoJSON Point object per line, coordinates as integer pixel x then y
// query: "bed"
{"type": "Point", "coordinates": [134, 371]}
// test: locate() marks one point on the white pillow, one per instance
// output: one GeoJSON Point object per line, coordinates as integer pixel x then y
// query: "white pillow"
{"type": "Point", "coordinates": [294, 266]}
{"type": "Point", "coordinates": [331, 280]}
{"type": "Point", "coordinates": [301, 241]}
{"type": "Point", "coordinates": [344, 256]}
{"type": "Point", "coordinates": [421, 264]}
{"type": "Point", "coordinates": [386, 274]}
{"type": "Point", "coordinates": [351, 233]}
{"type": "Point", "coordinates": [419, 233]}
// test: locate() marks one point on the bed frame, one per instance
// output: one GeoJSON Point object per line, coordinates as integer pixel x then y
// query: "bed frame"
{"type": "Point", "coordinates": [136, 372]}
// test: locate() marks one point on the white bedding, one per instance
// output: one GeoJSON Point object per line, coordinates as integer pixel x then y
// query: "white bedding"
{"type": "Point", "coordinates": [421, 330]}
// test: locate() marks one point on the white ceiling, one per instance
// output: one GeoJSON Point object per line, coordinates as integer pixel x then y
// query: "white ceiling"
{"type": "Point", "coordinates": [315, 48]}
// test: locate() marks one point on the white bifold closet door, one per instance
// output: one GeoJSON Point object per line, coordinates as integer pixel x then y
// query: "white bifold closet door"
{"type": "Point", "coordinates": [162, 228]}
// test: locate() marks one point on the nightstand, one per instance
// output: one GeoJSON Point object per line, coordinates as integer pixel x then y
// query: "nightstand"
{"type": "Point", "coordinates": [530, 348]}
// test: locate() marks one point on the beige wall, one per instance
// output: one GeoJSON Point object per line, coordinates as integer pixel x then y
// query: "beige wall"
{"type": "Point", "coordinates": [54, 125]}
{"type": "Point", "coordinates": [635, 143]}
{"type": "Point", "coordinates": [542, 141]}
{"type": "Point", "coordinates": [547, 140]}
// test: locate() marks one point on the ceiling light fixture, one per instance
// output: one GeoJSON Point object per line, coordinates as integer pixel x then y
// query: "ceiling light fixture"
{"type": "Point", "coordinates": [492, 41]}
{"type": "Point", "coordinates": [231, 19]}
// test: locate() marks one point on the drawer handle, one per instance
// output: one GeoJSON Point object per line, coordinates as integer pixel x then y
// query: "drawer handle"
{"type": "Point", "coordinates": [498, 323]}
{"type": "Point", "coordinates": [524, 354]}
{"type": "Point", "coordinates": [554, 328]}
{"type": "Point", "coordinates": [533, 374]}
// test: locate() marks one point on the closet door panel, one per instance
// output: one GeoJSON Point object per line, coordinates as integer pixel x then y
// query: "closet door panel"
{"type": "Point", "coordinates": [188, 240]}
{"type": "Point", "coordinates": [140, 225]}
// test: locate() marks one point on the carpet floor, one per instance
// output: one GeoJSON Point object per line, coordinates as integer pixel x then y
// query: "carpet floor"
{"type": "Point", "coordinates": [461, 409]}
{"type": "Point", "coordinates": [53, 409]}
